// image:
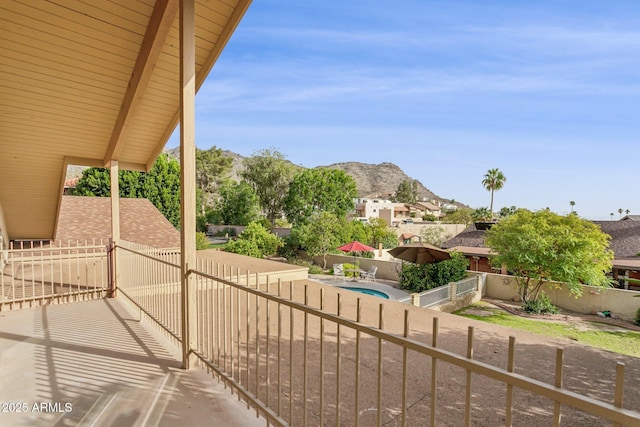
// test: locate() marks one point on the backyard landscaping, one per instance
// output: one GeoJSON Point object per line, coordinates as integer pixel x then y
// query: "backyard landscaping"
{"type": "Point", "coordinates": [616, 336]}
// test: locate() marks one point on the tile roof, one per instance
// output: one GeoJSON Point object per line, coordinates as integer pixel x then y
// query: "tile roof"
{"type": "Point", "coordinates": [88, 218]}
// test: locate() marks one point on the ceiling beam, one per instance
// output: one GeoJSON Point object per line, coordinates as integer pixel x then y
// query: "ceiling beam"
{"type": "Point", "coordinates": [202, 74]}
{"type": "Point", "coordinates": [162, 18]}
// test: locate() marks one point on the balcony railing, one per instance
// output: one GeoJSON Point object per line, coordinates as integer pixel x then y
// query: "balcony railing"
{"type": "Point", "coordinates": [35, 273]}
{"type": "Point", "coordinates": [303, 355]}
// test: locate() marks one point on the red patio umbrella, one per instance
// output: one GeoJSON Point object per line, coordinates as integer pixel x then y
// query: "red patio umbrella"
{"type": "Point", "coordinates": [354, 247]}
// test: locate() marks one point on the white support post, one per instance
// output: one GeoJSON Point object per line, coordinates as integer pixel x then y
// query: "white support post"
{"type": "Point", "coordinates": [187, 177]}
{"type": "Point", "coordinates": [115, 222]}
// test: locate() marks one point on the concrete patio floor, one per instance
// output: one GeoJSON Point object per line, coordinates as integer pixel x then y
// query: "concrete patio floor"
{"type": "Point", "coordinates": [95, 364]}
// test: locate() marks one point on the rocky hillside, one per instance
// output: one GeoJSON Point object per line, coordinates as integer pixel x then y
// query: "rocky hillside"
{"type": "Point", "coordinates": [380, 179]}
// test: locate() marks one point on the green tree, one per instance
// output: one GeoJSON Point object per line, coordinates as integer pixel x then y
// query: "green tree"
{"type": "Point", "coordinates": [572, 204]}
{"type": "Point", "coordinates": [541, 246]}
{"type": "Point", "coordinates": [319, 190]}
{"type": "Point", "coordinates": [381, 233]}
{"type": "Point", "coordinates": [322, 235]}
{"type": "Point", "coordinates": [493, 180]}
{"type": "Point", "coordinates": [269, 173]}
{"type": "Point", "coordinates": [256, 241]}
{"type": "Point", "coordinates": [237, 204]}
{"type": "Point", "coordinates": [94, 182]}
{"type": "Point", "coordinates": [459, 216]}
{"type": "Point", "coordinates": [505, 211]}
{"type": "Point", "coordinates": [407, 192]}
{"type": "Point", "coordinates": [433, 235]}
{"type": "Point", "coordinates": [357, 230]}
{"type": "Point", "coordinates": [161, 185]}
{"type": "Point", "coordinates": [212, 166]}
{"type": "Point", "coordinates": [481, 214]}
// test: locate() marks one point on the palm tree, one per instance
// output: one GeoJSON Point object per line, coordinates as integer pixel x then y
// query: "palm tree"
{"type": "Point", "coordinates": [493, 180]}
{"type": "Point", "coordinates": [627, 211]}
{"type": "Point", "coordinates": [611, 216]}
{"type": "Point", "coordinates": [572, 203]}
{"type": "Point", "coordinates": [620, 212]}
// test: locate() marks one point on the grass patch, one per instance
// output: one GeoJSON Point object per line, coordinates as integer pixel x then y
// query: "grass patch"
{"type": "Point", "coordinates": [623, 342]}
{"type": "Point", "coordinates": [215, 246]}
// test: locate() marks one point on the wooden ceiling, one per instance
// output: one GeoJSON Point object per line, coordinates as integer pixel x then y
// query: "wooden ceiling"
{"type": "Point", "coordinates": [89, 81]}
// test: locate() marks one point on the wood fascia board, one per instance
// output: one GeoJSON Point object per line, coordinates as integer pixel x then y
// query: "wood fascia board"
{"type": "Point", "coordinates": [162, 18]}
{"type": "Point", "coordinates": [226, 34]}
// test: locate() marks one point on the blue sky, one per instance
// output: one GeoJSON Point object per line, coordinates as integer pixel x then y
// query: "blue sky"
{"type": "Point", "coordinates": [546, 91]}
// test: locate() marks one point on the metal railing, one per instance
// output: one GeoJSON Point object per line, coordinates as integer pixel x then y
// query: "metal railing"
{"type": "Point", "coordinates": [39, 272]}
{"type": "Point", "coordinates": [303, 355]}
{"type": "Point", "coordinates": [150, 278]}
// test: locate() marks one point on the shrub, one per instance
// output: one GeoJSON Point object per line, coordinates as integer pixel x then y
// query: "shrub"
{"type": "Point", "coordinates": [415, 277]}
{"type": "Point", "coordinates": [637, 320]}
{"type": "Point", "coordinates": [313, 268]}
{"type": "Point", "coordinates": [255, 241]}
{"type": "Point", "coordinates": [540, 305]}
{"type": "Point", "coordinates": [201, 241]}
{"type": "Point", "coordinates": [422, 277]}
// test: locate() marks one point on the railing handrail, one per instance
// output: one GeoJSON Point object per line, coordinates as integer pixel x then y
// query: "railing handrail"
{"type": "Point", "coordinates": [203, 282]}
{"type": "Point", "coordinates": [171, 264]}
{"type": "Point", "coordinates": [560, 395]}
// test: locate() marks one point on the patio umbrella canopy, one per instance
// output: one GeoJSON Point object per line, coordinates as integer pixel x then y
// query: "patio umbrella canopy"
{"type": "Point", "coordinates": [354, 247]}
{"type": "Point", "coordinates": [420, 253]}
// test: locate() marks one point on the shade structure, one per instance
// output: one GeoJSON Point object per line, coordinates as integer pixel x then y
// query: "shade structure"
{"type": "Point", "coordinates": [420, 253]}
{"type": "Point", "coordinates": [355, 246]}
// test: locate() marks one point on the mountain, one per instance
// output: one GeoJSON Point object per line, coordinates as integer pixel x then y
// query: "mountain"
{"type": "Point", "coordinates": [382, 179]}
{"type": "Point", "coordinates": [371, 180]}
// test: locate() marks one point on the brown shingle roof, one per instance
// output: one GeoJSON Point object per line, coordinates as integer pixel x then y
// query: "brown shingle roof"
{"type": "Point", "coordinates": [88, 218]}
{"type": "Point", "coordinates": [625, 237]}
{"type": "Point", "coordinates": [470, 237]}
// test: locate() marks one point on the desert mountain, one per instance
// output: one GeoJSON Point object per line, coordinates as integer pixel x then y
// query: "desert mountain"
{"type": "Point", "coordinates": [382, 179]}
{"type": "Point", "coordinates": [371, 180]}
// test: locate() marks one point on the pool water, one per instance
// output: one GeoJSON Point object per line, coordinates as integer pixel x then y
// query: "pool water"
{"type": "Point", "coordinates": [366, 291]}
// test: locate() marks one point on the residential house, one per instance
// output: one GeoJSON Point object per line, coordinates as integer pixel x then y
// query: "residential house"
{"type": "Point", "coordinates": [625, 244]}
{"type": "Point", "coordinates": [367, 207]}
{"type": "Point", "coordinates": [470, 242]}
{"type": "Point", "coordinates": [429, 208]}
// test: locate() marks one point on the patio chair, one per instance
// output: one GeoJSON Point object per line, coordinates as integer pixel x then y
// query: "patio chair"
{"type": "Point", "coordinates": [370, 275]}
{"type": "Point", "coordinates": [338, 271]}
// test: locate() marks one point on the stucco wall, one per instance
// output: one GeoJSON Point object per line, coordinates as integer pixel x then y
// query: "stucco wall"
{"type": "Point", "coordinates": [450, 230]}
{"type": "Point", "coordinates": [621, 303]}
{"type": "Point", "coordinates": [388, 270]}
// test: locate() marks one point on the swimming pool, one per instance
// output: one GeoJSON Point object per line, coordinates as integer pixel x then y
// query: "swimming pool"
{"type": "Point", "coordinates": [366, 291]}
